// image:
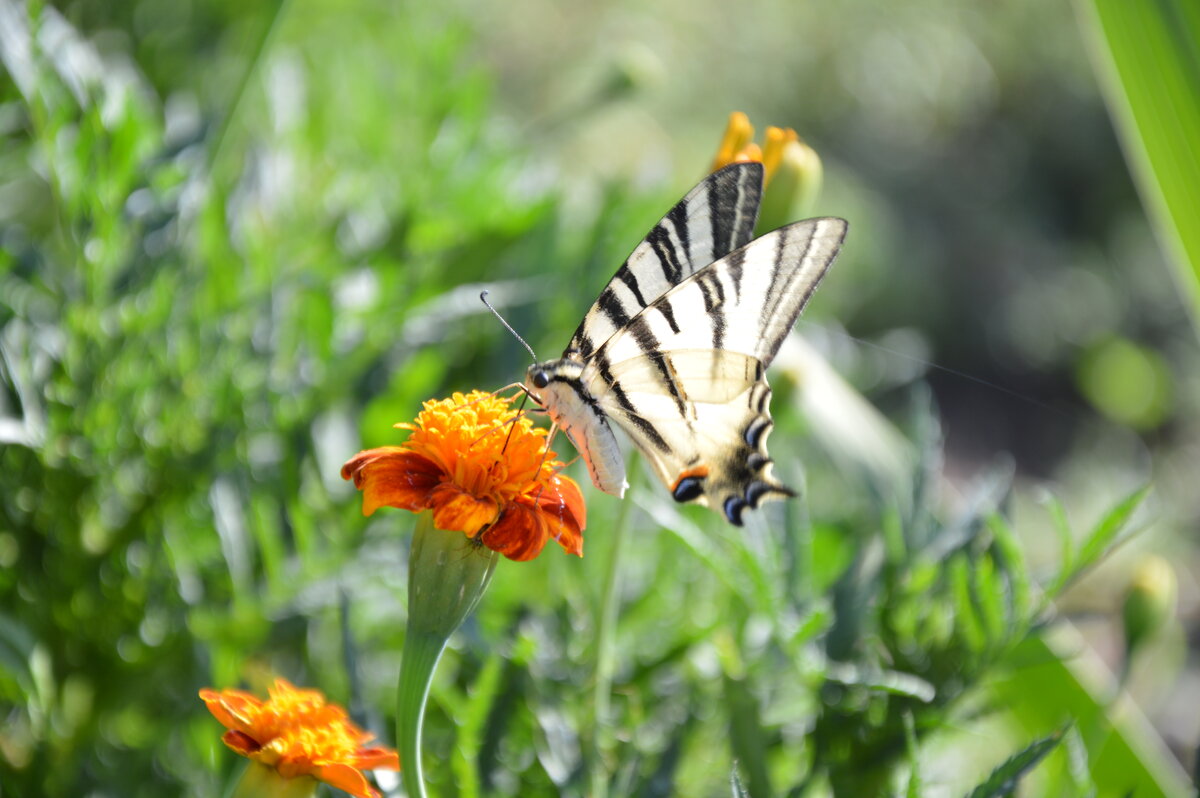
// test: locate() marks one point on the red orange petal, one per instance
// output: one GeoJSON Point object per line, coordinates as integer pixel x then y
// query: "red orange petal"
{"type": "Point", "coordinates": [562, 497]}
{"type": "Point", "coordinates": [232, 708]}
{"type": "Point", "coordinates": [394, 477]}
{"type": "Point", "coordinates": [519, 535]}
{"type": "Point", "coordinates": [346, 778]}
{"type": "Point", "coordinates": [454, 509]}
{"type": "Point", "coordinates": [378, 757]}
{"type": "Point", "coordinates": [241, 742]}
{"type": "Point", "coordinates": [471, 459]}
{"type": "Point", "coordinates": [563, 513]}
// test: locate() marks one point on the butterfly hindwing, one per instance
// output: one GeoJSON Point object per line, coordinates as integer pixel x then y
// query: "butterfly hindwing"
{"type": "Point", "coordinates": [715, 218]}
{"type": "Point", "coordinates": [705, 437]}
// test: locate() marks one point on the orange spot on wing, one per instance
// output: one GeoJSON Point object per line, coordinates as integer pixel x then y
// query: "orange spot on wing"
{"type": "Point", "coordinates": [696, 471]}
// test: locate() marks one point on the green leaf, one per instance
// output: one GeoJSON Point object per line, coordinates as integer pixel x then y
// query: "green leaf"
{"type": "Point", "coordinates": [888, 681]}
{"type": "Point", "coordinates": [470, 726]}
{"type": "Point", "coordinates": [1041, 690]}
{"type": "Point", "coordinates": [1103, 538]}
{"type": "Point", "coordinates": [914, 762]}
{"type": "Point", "coordinates": [747, 736]}
{"type": "Point", "coordinates": [1104, 535]}
{"type": "Point", "coordinates": [1011, 562]}
{"type": "Point", "coordinates": [967, 620]}
{"type": "Point", "coordinates": [1066, 543]}
{"type": "Point", "coordinates": [735, 785]}
{"type": "Point", "coordinates": [1004, 779]}
{"type": "Point", "coordinates": [1147, 55]}
{"type": "Point", "coordinates": [987, 595]}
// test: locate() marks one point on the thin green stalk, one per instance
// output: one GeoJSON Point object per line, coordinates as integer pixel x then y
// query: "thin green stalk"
{"type": "Point", "coordinates": [447, 575]}
{"type": "Point", "coordinates": [606, 654]}
{"type": "Point", "coordinates": [417, 665]}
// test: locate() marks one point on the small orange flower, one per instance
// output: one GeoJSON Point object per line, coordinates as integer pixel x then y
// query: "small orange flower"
{"type": "Point", "coordinates": [483, 471]}
{"type": "Point", "coordinates": [298, 734]}
{"type": "Point", "coordinates": [738, 145]}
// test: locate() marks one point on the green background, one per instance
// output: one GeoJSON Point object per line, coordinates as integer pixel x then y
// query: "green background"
{"type": "Point", "coordinates": [239, 241]}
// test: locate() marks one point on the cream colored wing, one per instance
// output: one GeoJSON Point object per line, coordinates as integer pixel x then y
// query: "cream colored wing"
{"type": "Point", "coordinates": [705, 436]}
{"type": "Point", "coordinates": [686, 377]}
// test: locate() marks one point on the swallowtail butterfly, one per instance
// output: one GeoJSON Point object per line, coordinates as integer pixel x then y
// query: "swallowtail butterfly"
{"type": "Point", "coordinates": [675, 350]}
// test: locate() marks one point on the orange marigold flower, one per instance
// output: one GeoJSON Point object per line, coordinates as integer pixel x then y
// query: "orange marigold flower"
{"type": "Point", "coordinates": [483, 470]}
{"type": "Point", "coordinates": [738, 145]}
{"type": "Point", "coordinates": [298, 734]}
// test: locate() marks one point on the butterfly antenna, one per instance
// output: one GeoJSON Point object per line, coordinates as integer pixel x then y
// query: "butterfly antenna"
{"type": "Point", "coordinates": [483, 299]}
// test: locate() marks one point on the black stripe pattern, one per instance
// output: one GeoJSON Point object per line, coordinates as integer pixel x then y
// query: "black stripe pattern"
{"type": "Point", "coordinates": [675, 348]}
{"type": "Point", "coordinates": [722, 211]}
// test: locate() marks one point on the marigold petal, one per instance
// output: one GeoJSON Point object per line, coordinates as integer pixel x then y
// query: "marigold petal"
{"type": "Point", "coordinates": [241, 742]}
{"type": "Point", "coordinates": [232, 708]}
{"type": "Point", "coordinates": [564, 513]}
{"type": "Point", "coordinates": [472, 459]}
{"type": "Point", "coordinates": [454, 509]}
{"type": "Point", "coordinates": [392, 476]}
{"type": "Point", "coordinates": [564, 491]}
{"type": "Point", "coordinates": [378, 758]}
{"type": "Point", "coordinates": [346, 778]}
{"type": "Point", "coordinates": [519, 535]}
{"type": "Point", "coordinates": [568, 536]}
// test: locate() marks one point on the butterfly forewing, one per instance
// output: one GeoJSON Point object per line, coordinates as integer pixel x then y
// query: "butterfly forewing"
{"type": "Point", "coordinates": [714, 219]}
{"type": "Point", "coordinates": [746, 302]}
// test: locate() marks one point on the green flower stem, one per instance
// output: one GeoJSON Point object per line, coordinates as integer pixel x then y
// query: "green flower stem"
{"type": "Point", "coordinates": [447, 575]}
{"type": "Point", "coordinates": [606, 654]}
{"type": "Point", "coordinates": [260, 781]}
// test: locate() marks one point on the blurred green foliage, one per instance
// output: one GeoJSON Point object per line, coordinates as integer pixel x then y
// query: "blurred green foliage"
{"type": "Point", "coordinates": [237, 244]}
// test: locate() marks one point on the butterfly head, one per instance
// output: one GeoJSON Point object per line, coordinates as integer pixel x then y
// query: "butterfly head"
{"type": "Point", "coordinates": [537, 377]}
{"type": "Point", "coordinates": [545, 381]}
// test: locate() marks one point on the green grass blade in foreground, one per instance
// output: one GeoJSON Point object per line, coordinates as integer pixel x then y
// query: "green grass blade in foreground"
{"type": "Point", "coordinates": [1147, 56]}
{"type": "Point", "coordinates": [1041, 689]}
{"type": "Point", "coordinates": [603, 737]}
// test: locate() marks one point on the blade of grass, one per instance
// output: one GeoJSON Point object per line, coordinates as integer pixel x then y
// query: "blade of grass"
{"type": "Point", "coordinates": [269, 26]}
{"type": "Point", "coordinates": [606, 655]}
{"type": "Point", "coordinates": [1147, 56]}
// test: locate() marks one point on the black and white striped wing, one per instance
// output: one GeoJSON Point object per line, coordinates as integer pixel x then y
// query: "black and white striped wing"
{"type": "Point", "coordinates": [715, 218]}
{"type": "Point", "coordinates": [686, 377]}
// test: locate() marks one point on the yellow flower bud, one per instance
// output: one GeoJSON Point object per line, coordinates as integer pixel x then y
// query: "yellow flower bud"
{"type": "Point", "coordinates": [791, 169]}
{"type": "Point", "coordinates": [1149, 601]}
{"type": "Point", "coordinates": [793, 180]}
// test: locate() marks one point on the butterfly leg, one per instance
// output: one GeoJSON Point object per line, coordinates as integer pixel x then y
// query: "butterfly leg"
{"type": "Point", "coordinates": [545, 454]}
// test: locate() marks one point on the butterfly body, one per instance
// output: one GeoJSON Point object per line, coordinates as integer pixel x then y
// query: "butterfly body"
{"type": "Point", "coordinates": [559, 387]}
{"type": "Point", "coordinates": [675, 350]}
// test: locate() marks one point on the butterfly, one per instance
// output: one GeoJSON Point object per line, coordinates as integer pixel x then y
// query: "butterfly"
{"type": "Point", "coordinates": [675, 349]}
